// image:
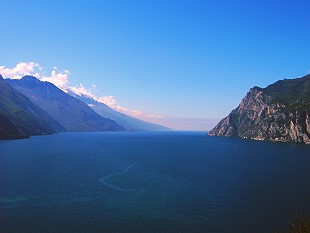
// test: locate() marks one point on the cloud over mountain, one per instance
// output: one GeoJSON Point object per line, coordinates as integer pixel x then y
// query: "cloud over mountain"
{"type": "Point", "coordinates": [110, 101]}
{"type": "Point", "coordinates": [20, 70]}
{"type": "Point", "coordinates": [60, 78]}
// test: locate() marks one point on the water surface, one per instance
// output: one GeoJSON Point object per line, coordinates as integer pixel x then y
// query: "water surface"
{"type": "Point", "coordinates": [151, 182]}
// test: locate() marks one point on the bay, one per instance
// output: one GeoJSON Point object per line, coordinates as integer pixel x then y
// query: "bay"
{"type": "Point", "coordinates": [151, 182]}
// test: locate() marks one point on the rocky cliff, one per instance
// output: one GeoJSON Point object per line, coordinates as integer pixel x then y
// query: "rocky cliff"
{"type": "Point", "coordinates": [279, 112]}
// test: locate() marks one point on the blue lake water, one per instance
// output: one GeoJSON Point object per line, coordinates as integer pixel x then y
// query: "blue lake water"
{"type": "Point", "coordinates": [151, 182]}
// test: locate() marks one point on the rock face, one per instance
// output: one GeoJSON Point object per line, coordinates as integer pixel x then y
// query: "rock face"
{"type": "Point", "coordinates": [279, 112]}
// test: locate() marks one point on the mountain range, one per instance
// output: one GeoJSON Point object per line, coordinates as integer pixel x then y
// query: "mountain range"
{"type": "Point", "coordinates": [128, 122]}
{"type": "Point", "coordinates": [280, 112]}
{"type": "Point", "coordinates": [29, 107]}
{"type": "Point", "coordinates": [20, 118]}
{"type": "Point", "coordinates": [71, 113]}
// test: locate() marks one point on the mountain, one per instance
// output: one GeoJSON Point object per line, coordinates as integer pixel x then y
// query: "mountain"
{"type": "Point", "coordinates": [20, 118]}
{"type": "Point", "coordinates": [128, 122]}
{"type": "Point", "coordinates": [71, 113]}
{"type": "Point", "coordinates": [8, 130]}
{"type": "Point", "coordinates": [279, 112]}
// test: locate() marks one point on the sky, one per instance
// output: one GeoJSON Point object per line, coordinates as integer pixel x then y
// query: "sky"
{"type": "Point", "coordinates": [184, 64]}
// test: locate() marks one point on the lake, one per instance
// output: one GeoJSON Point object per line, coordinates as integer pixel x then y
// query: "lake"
{"type": "Point", "coordinates": [151, 182]}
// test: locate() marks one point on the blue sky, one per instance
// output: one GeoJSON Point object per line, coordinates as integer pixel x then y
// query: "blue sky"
{"type": "Point", "coordinates": [189, 62]}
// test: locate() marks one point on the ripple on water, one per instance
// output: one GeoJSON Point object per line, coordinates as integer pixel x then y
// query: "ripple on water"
{"type": "Point", "coordinates": [104, 181]}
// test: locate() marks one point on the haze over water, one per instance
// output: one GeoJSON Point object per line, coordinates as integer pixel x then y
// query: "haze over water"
{"type": "Point", "coordinates": [151, 182]}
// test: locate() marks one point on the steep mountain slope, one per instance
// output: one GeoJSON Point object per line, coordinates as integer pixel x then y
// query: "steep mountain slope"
{"type": "Point", "coordinates": [20, 118]}
{"type": "Point", "coordinates": [8, 130]}
{"type": "Point", "coordinates": [279, 112]}
{"type": "Point", "coordinates": [128, 122]}
{"type": "Point", "coordinates": [72, 113]}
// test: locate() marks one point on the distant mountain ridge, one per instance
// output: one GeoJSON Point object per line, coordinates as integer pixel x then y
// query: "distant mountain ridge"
{"type": "Point", "coordinates": [20, 118]}
{"type": "Point", "coordinates": [42, 108]}
{"type": "Point", "coordinates": [279, 112]}
{"type": "Point", "coordinates": [128, 122]}
{"type": "Point", "coordinates": [71, 113]}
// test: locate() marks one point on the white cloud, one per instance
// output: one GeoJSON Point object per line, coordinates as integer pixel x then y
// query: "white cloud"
{"type": "Point", "coordinates": [112, 103]}
{"type": "Point", "coordinates": [59, 79]}
{"type": "Point", "coordinates": [81, 90]}
{"type": "Point", "coordinates": [136, 112]}
{"type": "Point", "coordinates": [20, 70]}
